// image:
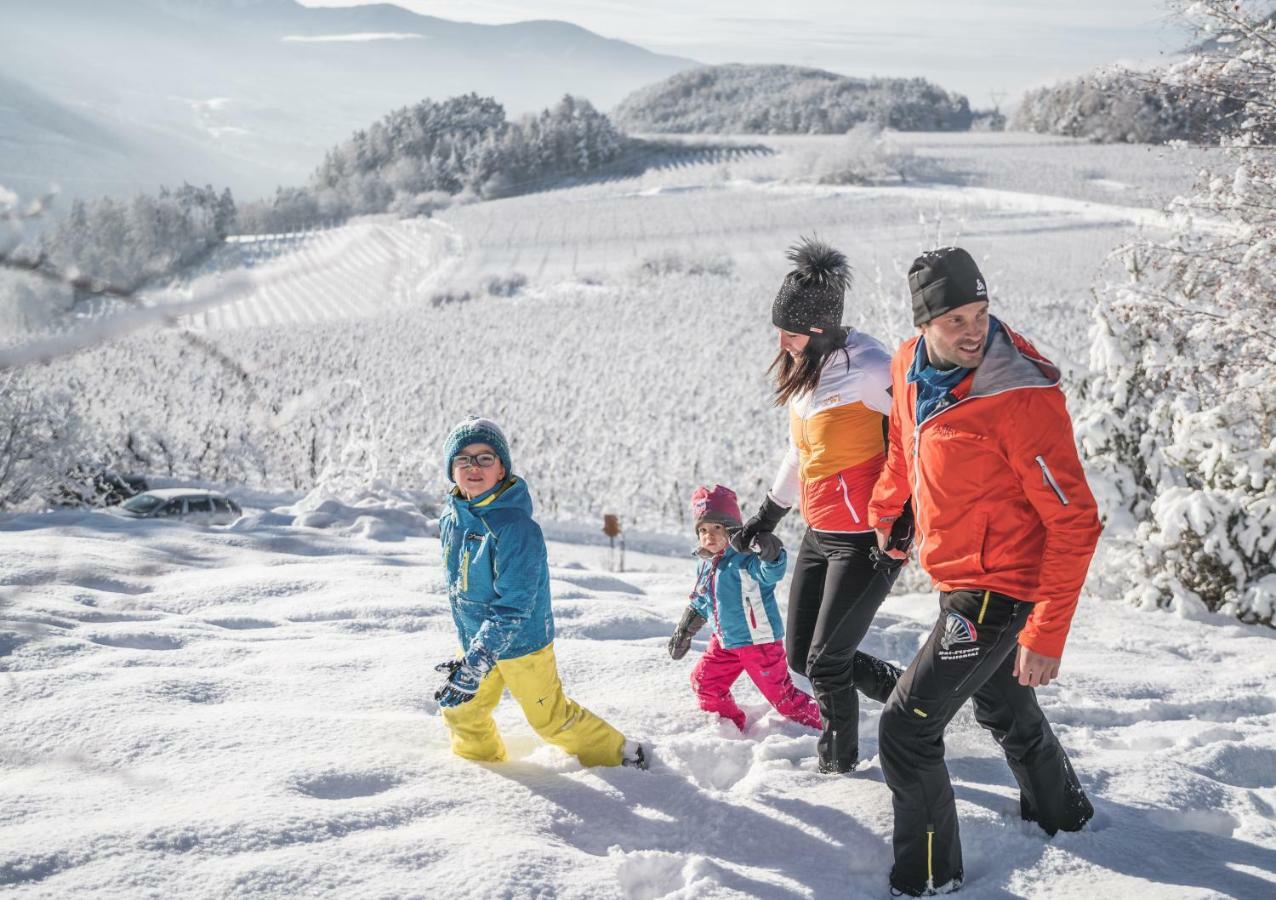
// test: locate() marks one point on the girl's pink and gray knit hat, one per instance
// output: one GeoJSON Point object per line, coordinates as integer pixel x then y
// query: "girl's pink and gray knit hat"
{"type": "Point", "coordinates": [715, 504]}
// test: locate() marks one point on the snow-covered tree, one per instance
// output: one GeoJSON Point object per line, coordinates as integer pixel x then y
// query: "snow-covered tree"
{"type": "Point", "coordinates": [463, 145]}
{"type": "Point", "coordinates": [1181, 403]}
{"type": "Point", "coordinates": [40, 442]}
{"type": "Point", "coordinates": [1117, 105]}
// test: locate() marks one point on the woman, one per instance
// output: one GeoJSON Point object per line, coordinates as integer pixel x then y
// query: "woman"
{"type": "Point", "coordinates": [835, 382]}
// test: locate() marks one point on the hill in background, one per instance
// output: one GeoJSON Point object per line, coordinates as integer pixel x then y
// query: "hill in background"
{"type": "Point", "coordinates": [777, 99]}
{"type": "Point", "coordinates": [252, 93]}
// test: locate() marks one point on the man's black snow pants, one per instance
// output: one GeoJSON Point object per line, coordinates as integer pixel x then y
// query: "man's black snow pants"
{"type": "Point", "coordinates": [834, 595]}
{"type": "Point", "coordinates": [970, 653]}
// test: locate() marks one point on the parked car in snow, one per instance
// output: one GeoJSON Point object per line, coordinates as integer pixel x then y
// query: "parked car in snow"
{"type": "Point", "coordinates": [189, 504]}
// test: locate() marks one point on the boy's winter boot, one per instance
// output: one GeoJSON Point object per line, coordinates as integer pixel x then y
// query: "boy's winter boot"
{"type": "Point", "coordinates": [634, 755]}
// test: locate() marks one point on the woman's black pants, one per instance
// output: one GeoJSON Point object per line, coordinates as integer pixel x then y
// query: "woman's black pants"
{"type": "Point", "coordinates": [832, 600]}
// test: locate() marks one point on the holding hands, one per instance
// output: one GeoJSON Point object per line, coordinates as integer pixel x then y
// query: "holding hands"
{"type": "Point", "coordinates": [766, 545]}
{"type": "Point", "coordinates": [762, 522]}
{"type": "Point", "coordinates": [894, 541]}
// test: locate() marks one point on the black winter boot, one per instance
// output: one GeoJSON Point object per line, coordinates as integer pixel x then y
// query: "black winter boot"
{"type": "Point", "coordinates": [839, 743]}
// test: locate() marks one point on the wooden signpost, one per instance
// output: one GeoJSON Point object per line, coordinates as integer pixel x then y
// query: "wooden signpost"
{"type": "Point", "coordinates": [611, 528]}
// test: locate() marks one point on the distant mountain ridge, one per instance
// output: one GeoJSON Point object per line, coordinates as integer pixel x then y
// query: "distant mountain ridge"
{"type": "Point", "coordinates": [779, 99]}
{"type": "Point", "coordinates": [219, 74]}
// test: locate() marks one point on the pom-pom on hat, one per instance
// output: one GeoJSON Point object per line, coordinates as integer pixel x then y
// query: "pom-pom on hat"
{"type": "Point", "coordinates": [811, 298]}
{"type": "Point", "coordinates": [715, 504]}
{"type": "Point", "coordinates": [476, 430]}
{"type": "Point", "coordinates": [942, 280]}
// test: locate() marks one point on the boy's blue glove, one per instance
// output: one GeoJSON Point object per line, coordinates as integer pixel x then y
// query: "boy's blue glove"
{"type": "Point", "coordinates": [464, 677]}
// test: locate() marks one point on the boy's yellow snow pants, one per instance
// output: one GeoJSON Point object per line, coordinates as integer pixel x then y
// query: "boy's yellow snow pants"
{"type": "Point", "coordinates": [532, 681]}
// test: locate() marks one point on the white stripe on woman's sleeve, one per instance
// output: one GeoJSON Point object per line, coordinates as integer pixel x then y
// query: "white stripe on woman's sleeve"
{"type": "Point", "coordinates": [784, 490]}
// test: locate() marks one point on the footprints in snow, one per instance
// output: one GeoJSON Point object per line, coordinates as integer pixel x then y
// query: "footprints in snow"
{"type": "Point", "coordinates": [1207, 821]}
{"type": "Point", "coordinates": [198, 691]}
{"type": "Point", "coordinates": [1237, 764]}
{"type": "Point", "coordinates": [242, 623]}
{"type": "Point", "coordinates": [719, 764]}
{"type": "Point", "coordinates": [648, 874]}
{"type": "Point", "coordinates": [138, 641]}
{"type": "Point", "coordinates": [345, 785]}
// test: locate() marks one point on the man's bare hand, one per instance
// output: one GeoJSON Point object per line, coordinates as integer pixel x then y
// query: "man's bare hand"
{"type": "Point", "coordinates": [1035, 670]}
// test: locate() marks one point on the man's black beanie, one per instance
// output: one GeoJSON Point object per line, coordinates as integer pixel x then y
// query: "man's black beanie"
{"type": "Point", "coordinates": [944, 279]}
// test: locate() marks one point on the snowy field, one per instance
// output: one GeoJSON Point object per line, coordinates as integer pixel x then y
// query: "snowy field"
{"type": "Point", "coordinates": [631, 315]}
{"type": "Point", "coordinates": [216, 712]}
{"type": "Point", "coordinates": [247, 711]}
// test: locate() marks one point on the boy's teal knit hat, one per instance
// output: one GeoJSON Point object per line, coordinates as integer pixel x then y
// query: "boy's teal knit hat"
{"type": "Point", "coordinates": [476, 430]}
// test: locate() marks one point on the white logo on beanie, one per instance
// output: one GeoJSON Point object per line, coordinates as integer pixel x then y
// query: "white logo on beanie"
{"type": "Point", "coordinates": [980, 290]}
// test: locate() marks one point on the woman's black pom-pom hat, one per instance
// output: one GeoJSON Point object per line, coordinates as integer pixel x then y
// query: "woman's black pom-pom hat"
{"type": "Point", "coordinates": [811, 299]}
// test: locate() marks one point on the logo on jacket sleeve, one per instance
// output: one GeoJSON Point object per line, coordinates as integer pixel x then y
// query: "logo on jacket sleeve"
{"type": "Point", "coordinates": [958, 630]}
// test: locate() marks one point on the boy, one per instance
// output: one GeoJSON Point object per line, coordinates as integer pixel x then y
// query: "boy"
{"type": "Point", "coordinates": [498, 586]}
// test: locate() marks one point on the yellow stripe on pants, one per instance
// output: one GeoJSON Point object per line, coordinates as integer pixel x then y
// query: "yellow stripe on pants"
{"type": "Point", "coordinates": [532, 681]}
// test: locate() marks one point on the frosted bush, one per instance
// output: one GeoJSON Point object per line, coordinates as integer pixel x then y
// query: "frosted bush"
{"type": "Point", "coordinates": [41, 443]}
{"type": "Point", "coordinates": [866, 155]}
{"type": "Point", "coordinates": [1180, 419]}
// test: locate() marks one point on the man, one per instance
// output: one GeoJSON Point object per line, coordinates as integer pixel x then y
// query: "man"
{"type": "Point", "coordinates": [981, 441]}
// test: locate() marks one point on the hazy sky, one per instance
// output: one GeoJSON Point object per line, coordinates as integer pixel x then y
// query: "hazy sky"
{"type": "Point", "coordinates": [972, 46]}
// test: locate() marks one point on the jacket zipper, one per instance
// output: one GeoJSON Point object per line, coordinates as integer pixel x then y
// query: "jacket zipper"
{"type": "Point", "coordinates": [1048, 477]}
{"type": "Point", "coordinates": [465, 570]}
{"type": "Point", "coordinates": [917, 483]}
{"type": "Point", "coordinates": [917, 470]}
{"type": "Point", "coordinates": [846, 498]}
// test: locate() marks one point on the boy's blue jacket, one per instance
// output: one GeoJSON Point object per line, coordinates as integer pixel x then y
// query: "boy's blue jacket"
{"type": "Point", "coordinates": [736, 593]}
{"type": "Point", "coordinates": [497, 571]}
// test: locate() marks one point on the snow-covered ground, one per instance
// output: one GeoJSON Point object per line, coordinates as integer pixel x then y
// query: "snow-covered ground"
{"type": "Point", "coordinates": [630, 316]}
{"type": "Point", "coordinates": [212, 712]}
{"type": "Point", "coordinates": [247, 711]}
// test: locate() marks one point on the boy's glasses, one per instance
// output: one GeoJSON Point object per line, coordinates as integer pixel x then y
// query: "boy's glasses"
{"type": "Point", "coordinates": [482, 460]}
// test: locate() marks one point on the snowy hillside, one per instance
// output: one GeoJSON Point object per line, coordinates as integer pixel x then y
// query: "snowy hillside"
{"type": "Point", "coordinates": [247, 711]}
{"type": "Point", "coordinates": [630, 314]}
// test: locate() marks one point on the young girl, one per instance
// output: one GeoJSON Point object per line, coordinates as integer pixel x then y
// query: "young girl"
{"type": "Point", "coordinates": [498, 586]}
{"type": "Point", "coordinates": [736, 591]}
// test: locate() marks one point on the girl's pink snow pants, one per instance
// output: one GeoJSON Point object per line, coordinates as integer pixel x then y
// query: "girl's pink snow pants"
{"type": "Point", "coordinates": [766, 664]}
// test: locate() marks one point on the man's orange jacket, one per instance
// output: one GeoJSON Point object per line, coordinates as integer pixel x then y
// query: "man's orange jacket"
{"type": "Point", "coordinates": [1000, 498]}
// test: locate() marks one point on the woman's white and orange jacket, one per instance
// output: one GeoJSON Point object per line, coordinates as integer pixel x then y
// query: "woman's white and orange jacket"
{"type": "Point", "coordinates": [837, 438]}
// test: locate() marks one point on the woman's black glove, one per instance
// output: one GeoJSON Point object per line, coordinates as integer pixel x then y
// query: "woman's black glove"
{"type": "Point", "coordinates": [690, 623]}
{"type": "Point", "coordinates": [767, 546]}
{"type": "Point", "coordinates": [765, 519]}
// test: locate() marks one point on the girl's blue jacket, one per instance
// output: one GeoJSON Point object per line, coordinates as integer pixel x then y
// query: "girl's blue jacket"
{"type": "Point", "coordinates": [736, 592]}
